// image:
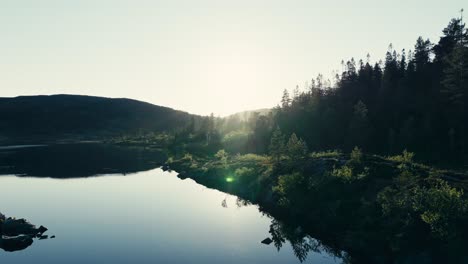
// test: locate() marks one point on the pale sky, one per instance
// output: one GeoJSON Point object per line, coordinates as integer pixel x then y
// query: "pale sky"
{"type": "Point", "coordinates": [199, 56]}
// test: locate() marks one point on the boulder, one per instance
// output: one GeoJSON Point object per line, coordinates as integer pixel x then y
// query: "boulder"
{"type": "Point", "coordinates": [15, 227]}
{"type": "Point", "coordinates": [41, 230]}
{"type": "Point", "coordinates": [18, 234]}
{"type": "Point", "coordinates": [15, 243]}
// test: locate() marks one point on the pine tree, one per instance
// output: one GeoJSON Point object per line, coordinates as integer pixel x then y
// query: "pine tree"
{"type": "Point", "coordinates": [277, 145]}
{"type": "Point", "coordinates": [455, 82]}
{"type": "Point", "coordinates": [422, 51]}
{"type": "Point", "coordinates": [452, 35]}
{"type": "Point", "coordinates": [296, 92]}
{"type": "Point", "coordinates": [296, 148]}
{"type": "Point", "coordinates": [359, 125]}
{"type": "Point", "coordinates": [285, 100]}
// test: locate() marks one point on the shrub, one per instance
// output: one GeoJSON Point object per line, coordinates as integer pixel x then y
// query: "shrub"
{"type": "Point", "coordinates": [187, 157]}
{"type": "Point", "coordinates": [440, 206]}
{"type": "Point", "coordinates": [405, 157]}
{"type": "Point", "coordinates": [356, 155]}
{"type": "Point", "coordinates": [326, 154]}
{"type": "Point", "coordinates": [289, 187]}
{"type": "Point", "coordinates": [222, 155]}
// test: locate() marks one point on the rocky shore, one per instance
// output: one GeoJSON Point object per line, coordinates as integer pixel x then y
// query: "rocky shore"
{"type": "Point", "coordinates": [18, 234]}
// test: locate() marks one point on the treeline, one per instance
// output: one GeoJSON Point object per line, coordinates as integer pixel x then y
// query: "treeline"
{"type": "Point", "coordinates": [415, 100]}
{"type": "Point", "coordinates": [377, 208]}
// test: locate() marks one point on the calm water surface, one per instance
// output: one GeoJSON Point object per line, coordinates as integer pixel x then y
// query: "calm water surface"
{"type": "Point", "coordinates": [144, 217]}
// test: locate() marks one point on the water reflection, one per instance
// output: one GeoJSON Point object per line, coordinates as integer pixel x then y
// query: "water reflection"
{"type": "Point", "coordinates": [302, 244]}
{"type": "Point", "coordinates": [150, 217]}
{"type": "Point", "coordinates": [77, 160]}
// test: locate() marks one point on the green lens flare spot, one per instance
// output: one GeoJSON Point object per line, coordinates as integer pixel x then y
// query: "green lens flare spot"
{"type": "Point", "coordinates": [229, 179]}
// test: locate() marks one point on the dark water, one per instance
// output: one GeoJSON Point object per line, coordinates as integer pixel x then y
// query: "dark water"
{"type": "Point", "coordinates": [144, 216]}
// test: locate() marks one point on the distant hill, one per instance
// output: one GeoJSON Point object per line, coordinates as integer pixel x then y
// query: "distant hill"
{"type": "Point", "coordinates": [83, 117]}
{"type": "Point", "coordinates": [246, 115]}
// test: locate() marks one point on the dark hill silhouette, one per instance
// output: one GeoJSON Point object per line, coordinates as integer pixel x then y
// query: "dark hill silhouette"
{"type": "Point", "coordinates": [84, 117]}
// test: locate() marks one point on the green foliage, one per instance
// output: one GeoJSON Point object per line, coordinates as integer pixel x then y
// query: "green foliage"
{"type": "Point", "coordinates": [417, 100]}
{"type": "Point", "coordinates": [251, 158]}
{"type": "Point", "coordinates": [348, 174]}
{"type": "Point", "coordinates": [235, 141]}
{"type": "Point", "coordinates": [353, 169]}
{"type": "Point", "coordinates": [234, 136]}
{"type": "Point", "coordinates": [296, 148]}
{"type": "Point", "coordinates": [366, 198]}
{"type": "Point", "coordinates": [244, 171]}
{"type": "Point", "coordinates": [222, 155]}
{"type": "Point", "coordinates": [433, 201]}
{"type": "Point", "coordinates": [288, 186]}
{"type": "Point", "coordinates": [277, 145]}
{"type": "Point", "coordinates": [187, 157]}
{"type": "Point", "coordinates": [405, 157]}
{"type": "Point", "coordinates": [326, 154]}
{"type": "Point", "coordinates": [170, 160]}
{"type": "Point", "coordinates": [441, 207]}
{"type": "Point", "coordinates": [344, 173]}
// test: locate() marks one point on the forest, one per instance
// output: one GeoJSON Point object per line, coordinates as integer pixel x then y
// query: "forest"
{"type": "Point", "coordinates": [414, 100]}
{"type": "Point", "coordinates": [370, 162]}
{"type": "Point", "coordinates": [351, 144]}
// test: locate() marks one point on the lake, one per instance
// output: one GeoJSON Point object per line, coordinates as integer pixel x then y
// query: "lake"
{"type": "Point", "coordinates": [108, 204]}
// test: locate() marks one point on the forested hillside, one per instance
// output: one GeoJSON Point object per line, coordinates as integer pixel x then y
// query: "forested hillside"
{"type": "Point", "coordinates": [414, 99]}
{"type": "Point", "coordinates": [341, 158]}
{"type": "Point", "coordinates": [83, 117]}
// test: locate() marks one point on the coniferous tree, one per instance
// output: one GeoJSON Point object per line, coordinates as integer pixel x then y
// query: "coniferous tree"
{"type": "Point", "coordinates": [277, 145]}
{"type": "Point", "coordinates": [416, 100]}
{"type": "Point", "coordinates": [285, 100]}
{"type": "Point", "coordinates": [359, 125]}
{"type": "Point", "coordinates": [296, 148]}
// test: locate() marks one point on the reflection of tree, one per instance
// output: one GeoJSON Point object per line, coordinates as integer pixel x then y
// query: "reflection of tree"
{"type": "Point", "coordinates": [276, 234]}
{"type": "Point", "coordinates": [241, 202]}
{"type": "Point", "coordinates": [223, 203]}
{"type": "Point", "coordinates": [301, 243]}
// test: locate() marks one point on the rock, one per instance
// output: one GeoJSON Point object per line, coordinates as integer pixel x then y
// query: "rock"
{"type": "Point", "coordinates": [267, 241]}
{"type": "Point", "coordinates": [15, 227]}
{"type": "Point", "coordinates": [42, 229]}
{"type": "Point", "coordinates": [15, 243]}
{"type": "Point", "coordinates": [18, 234]}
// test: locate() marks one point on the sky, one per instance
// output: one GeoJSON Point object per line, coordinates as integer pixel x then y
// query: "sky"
{"type": "Point", "coordinates": [199, 56]}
